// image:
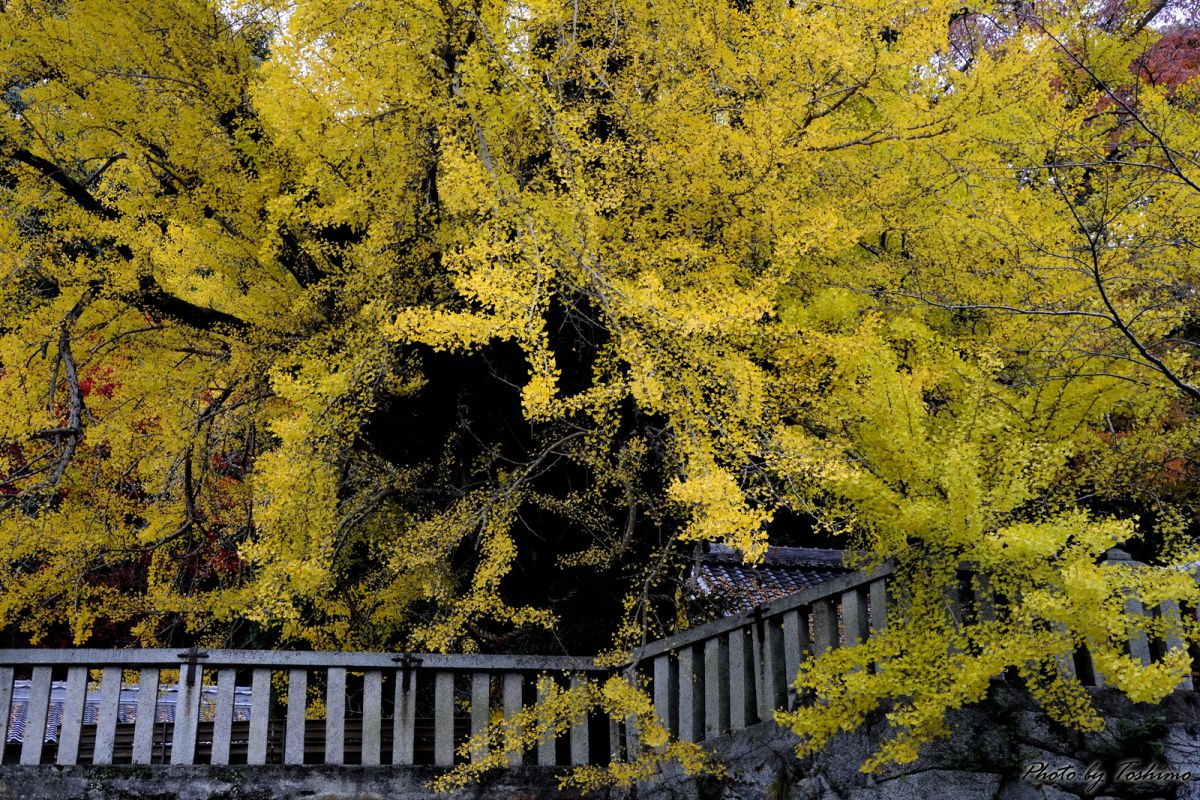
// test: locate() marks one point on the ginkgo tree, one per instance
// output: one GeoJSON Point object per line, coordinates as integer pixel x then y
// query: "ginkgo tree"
{"type": "Point", "coordinates": [329, 322]}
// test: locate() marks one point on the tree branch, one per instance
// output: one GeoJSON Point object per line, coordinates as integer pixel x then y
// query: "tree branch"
{"type": "Point", "coordinates": [1115, 317]}
{"type": "Point", "coordinates": [71, 187]}
{"type": "Point", "coordinates": [150, 296]}
{"type": "Point", "coordinates": [66, 437]}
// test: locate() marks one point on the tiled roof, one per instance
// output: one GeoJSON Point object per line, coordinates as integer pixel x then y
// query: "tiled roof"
{"type": "Point", "coordinates": [734, 587]}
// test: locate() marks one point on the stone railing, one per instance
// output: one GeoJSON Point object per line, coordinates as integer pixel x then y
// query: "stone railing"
{"type": "Point", "coordinates": [164, 706]}
{"type": "Point", "coordinates": [154, 707]}
{"type": "Point", "coordinates": [1140, 647]}
{"type": "Point", "coordinates": [732, 673]}
{"type": "Point", "coordinates": [729, 674]}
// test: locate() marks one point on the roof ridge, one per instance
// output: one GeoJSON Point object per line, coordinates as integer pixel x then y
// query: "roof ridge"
{"type": "Point", "coordinates": [776, 555]}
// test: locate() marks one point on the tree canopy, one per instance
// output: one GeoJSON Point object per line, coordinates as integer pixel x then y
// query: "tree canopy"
{"type": "Point", "coordinates": [454, 325]}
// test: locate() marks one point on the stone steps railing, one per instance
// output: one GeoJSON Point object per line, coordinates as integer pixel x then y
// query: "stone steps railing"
{"type": "Point", "coordinates": [736, 671]}
{"type": "Point", "coordinates": [252, 707]}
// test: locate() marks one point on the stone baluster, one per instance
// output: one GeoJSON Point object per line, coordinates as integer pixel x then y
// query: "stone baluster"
{"type": "Point", "coordinates": [297, 702]}
{"type": "Point", "coordinates": [666, 692]}
{"type": "Point", "coordinates": [795, 647]}
{"type": "Point", "coordinates": [72, 715]}
{"type": "Point", "coordinates": [260, 715]}
{"type": "Point", "coordinates": [147, 713]}
{"type": "Point", "coordinates": [512, 706]}
{"type": "Point", "coordinates": [825, 626]}
{"type": "Point", "coordinates": [742, 700]}
{"type": "Point", "coordinates": [222, 715]}
{"type": "Point", "coordinates": [716, 687]}
{"type": "Point", "coordinates": [773, 678]}
{"type": "Point", "coordinates": [854, 616]}
{"type": "Point", "coordinates": [481, 690]}
{"type": "Point", "coordinates": [6, 691]}
{"type": "Point", "coordinates": [691, 694]}
{"type": "Point", "coordinates": [372, 719]}
{"type": "Point", "coordinates": [877, 593]}
{"type": "Point", "coordinates": [335, 715]}
{"type": "Point", "coordinates": [1139, 645]}
{"type": "Point", "coordinates": [1168, 610]}
{"type": "Point", "coordinates": [443, 719]}
{"type": "Point", "coordinates": [35, 716]}
{"type": "Point", "coordinates": [579, 730]}
{"type": "Point", "coordinates": [405, 720]}
{"type": "Point", "coordinates": [547, 746]}
{"type": "Point", "coordinates": [184, 743]}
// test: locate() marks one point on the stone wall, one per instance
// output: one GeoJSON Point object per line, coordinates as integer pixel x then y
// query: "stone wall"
{"type": "Point", "coordinates": [262, 783]}
{"type": "Point", "coordinates": [1003, 749]}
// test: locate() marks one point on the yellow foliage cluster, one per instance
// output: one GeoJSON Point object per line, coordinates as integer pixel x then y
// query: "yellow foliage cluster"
{"type": "Point", "coordinates": [936, 294]}
{"type": "Point", "coordinates": [557, 709]}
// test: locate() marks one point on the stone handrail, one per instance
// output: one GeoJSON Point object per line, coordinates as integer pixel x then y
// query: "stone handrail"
{"type": "Point", "coordinates": [57, 737]}
{"type": "Point", "coordinates": [706, 681]}
{"type": "Point", "coordinates": [754, 657]}
{"type": "Point", "coordinates": [736, 671]}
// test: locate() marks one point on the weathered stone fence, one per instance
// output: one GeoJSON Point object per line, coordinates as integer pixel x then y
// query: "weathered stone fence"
{"type": "Point", "coordinates": [374, 708]}
{"type": "Point", "coordinates": [727, 675]}
{"type": "Point", "coordinates": [222, 707]}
